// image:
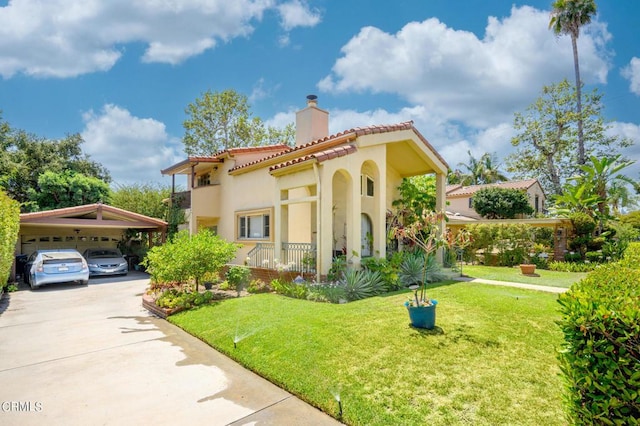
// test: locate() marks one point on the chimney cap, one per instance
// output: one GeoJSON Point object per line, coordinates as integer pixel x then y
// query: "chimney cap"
{"type": "Point", "coordinates": [312, 97]}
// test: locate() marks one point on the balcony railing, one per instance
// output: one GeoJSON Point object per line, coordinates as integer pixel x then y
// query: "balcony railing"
{"type": "Point", "coordinates": [299, 257]}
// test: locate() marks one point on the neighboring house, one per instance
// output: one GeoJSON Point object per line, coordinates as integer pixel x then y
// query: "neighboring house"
{"type": "Point", "coordinates": [461, 213]}
{"type": "Point", "coordinates": [303, 204]}
{"type": "Point", "coordinates": [460, 198]}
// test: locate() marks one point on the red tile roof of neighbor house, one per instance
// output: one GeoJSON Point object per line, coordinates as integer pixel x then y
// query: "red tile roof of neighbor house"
{"type": "Point", "coordinates": [348, 135]}
{"type": "Point", "coordinates": [460, 191]}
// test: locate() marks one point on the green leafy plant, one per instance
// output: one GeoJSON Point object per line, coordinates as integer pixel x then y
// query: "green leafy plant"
{"type": "Point", "coordinates": [176, 299]}
{"type": "Point", "coordinates": [189, 257]}
{"type": "Point", "coordinates": [388, 269]}
{"type": "Point", "coordinates": [289, 289]}
{"type": "Point", "coordinates": [338, 268]}
{"type": "Point", "coordinates": [571, 266]}
{"type": "Point", "coordinates": [601, 349]}
{"type": "Point", "coordinates": [237, 277]}
{"type": "Point", "coordinates": [11, 287]}
{"type": "Point", "coordinates": [258, 286]}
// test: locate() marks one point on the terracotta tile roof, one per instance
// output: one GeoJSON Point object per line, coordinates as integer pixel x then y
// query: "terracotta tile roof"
{"type": "Point", "coordinates": [459, 190]}
{"type": "Point", "coordinates": [89, 208]}
{"type": "Point", "coordinates": [340, 151]}
{"type": "Point", "coordinates": [354, 133]}
{"type": "Point", "coordinates": [217, 157]}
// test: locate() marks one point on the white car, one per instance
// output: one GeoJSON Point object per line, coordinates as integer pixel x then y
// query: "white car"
{"type": "Point", "coordinates": [55, 266]}
{"type": "Point", "coordinates": [106, 261]}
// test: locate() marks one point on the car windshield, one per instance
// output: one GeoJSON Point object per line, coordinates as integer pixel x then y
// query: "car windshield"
{"type": "Point", "coordinates": [104, 253]}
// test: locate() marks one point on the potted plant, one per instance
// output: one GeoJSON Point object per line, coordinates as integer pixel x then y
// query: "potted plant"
{"type": "Point", "coordinates": [427, 235]}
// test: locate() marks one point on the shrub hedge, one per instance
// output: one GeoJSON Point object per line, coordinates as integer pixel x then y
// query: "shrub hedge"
{"type": "Point", "coordinates": [9, 228]}
{"type": "Point", "coordinates": [600, 358]}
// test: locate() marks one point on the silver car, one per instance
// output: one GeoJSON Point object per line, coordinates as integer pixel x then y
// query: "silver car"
{"type": "Point", "coordinates": [106, 261]}
{"type": "Point", "coordinates": [55, 266]}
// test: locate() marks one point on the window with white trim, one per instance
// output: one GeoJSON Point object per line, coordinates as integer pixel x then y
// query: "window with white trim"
{"type": "Point", "coordinates": [254, 226]}
{"type": "Point", "coordinates": [366, 185]}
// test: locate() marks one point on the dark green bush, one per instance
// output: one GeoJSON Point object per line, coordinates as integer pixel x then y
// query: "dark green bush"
{"type": "Point", "coordinates": [583, 224]}
{"type": "Point", "coordinates": [600, 357]}
{"type": "Point", "coordinates": [593, 256]}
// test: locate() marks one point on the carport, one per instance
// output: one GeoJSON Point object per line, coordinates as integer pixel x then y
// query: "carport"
{"type": "Point", "coordinates": [83, 227]}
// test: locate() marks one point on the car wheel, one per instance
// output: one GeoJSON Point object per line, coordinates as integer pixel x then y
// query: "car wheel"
{"type": "Point", "coordinates": [84, 282]}
{"type": "Point", "coordinates": [32, 285]}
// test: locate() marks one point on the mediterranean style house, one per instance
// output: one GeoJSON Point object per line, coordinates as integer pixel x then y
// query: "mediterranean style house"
{"type": "Point", "coordinates": [300, 206]}
{"type": "Point", "coordinates": [460, 198]}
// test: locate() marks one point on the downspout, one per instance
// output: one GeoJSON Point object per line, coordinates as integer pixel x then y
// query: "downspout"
{"type": "Point", "coordinates": [318, 221]}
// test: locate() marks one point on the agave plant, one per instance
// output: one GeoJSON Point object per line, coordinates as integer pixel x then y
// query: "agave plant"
{"type": "Point", "coordinates": [414, 269]}
{"type": "Point", "coordinates": [362, 284]}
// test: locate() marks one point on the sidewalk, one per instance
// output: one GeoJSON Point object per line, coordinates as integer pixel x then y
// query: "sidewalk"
{"type": "Point", "coordinates": [545, 288]}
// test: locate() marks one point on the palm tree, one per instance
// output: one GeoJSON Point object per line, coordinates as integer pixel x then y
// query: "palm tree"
{"type": "Point", "coordinates": [474, 171]}
{"type": "Point", "coordinates": [567, 17]}
{"type": "Point", "coordinates": [620, 196]}
{"type": "Point", "coordinates": [491, 172]}
{"type": "Point", "coordinates": [479, 170]}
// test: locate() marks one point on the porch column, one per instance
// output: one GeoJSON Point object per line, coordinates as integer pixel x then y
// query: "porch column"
{"type": "Point", "coordinates": [441, 199]}
{"type": "Point", "coordinates": [354, 221]}
{"type": "Point", "coordinates": [380, 233]}
{"type": "Point", "coordinates": [280, 221]}
{"type": "Point", "coordinates": [325, 230]}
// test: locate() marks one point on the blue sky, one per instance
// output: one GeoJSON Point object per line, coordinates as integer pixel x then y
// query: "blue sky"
{"type": "Point", "coordinates": [121, 73]}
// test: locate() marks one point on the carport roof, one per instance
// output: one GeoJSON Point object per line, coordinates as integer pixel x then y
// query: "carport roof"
{"type": "Point", "coordinates": [92, 215]}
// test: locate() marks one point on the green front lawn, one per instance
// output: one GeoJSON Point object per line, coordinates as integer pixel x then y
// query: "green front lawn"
{"type": "Point", "coordinates": [545, 277]}
{"type": "Point", "coordinates": [491, 359]}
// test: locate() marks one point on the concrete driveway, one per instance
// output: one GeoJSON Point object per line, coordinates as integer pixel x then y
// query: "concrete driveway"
{"type": "Point", "coordinates": [89, 355]}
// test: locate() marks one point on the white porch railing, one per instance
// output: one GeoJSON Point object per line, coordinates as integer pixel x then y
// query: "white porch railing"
{"type": "Point", "coordinates": [300, 257]}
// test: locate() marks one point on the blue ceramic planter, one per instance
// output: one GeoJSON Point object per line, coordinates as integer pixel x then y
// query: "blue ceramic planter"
{"type": "Point", "coordinates": [423, 316]}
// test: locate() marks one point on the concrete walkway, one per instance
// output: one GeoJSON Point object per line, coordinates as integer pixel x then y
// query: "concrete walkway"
{"type": "Point", "coordinates": [548, 289]}
{"type": "Point", "coordinates": [86, 355]}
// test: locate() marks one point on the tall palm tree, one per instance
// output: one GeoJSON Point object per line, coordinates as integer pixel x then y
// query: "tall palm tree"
{"type": "Point", "coordinates": [567, 17]}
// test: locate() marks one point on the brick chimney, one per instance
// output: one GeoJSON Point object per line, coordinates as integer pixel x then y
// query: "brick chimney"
{"type": "Point", "coordinates": [311, 122]}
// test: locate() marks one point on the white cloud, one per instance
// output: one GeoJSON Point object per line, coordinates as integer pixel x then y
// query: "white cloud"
{"type": "Point", "coordinates": [630, 131]}
{"type": "Point", "coordinates": [458, 76]}
{"type": "Point", "coordinates": [297, 13]}
{"type": "Point", "coordinates": [132, 149]}
{"type": "Point", "coordinates": [66, 38]}
{"type": "Point", "coordinates": [632, 73]}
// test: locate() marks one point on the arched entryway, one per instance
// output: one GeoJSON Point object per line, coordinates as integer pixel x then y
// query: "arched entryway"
{"type": "Point", "coordinates": [366, 235]}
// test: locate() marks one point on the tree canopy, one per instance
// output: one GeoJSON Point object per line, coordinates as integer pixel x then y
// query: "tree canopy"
{"type": "Point", "coordinates": [221, 120]}
{"type": "Point", "coordinates": [25, 157]}
{"type": "Point", "coordinates": [501, 203]}
{"type": "Point", "coordinates": [67, 189]}
{"type": "Point", "coordinates": [547, 141]}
